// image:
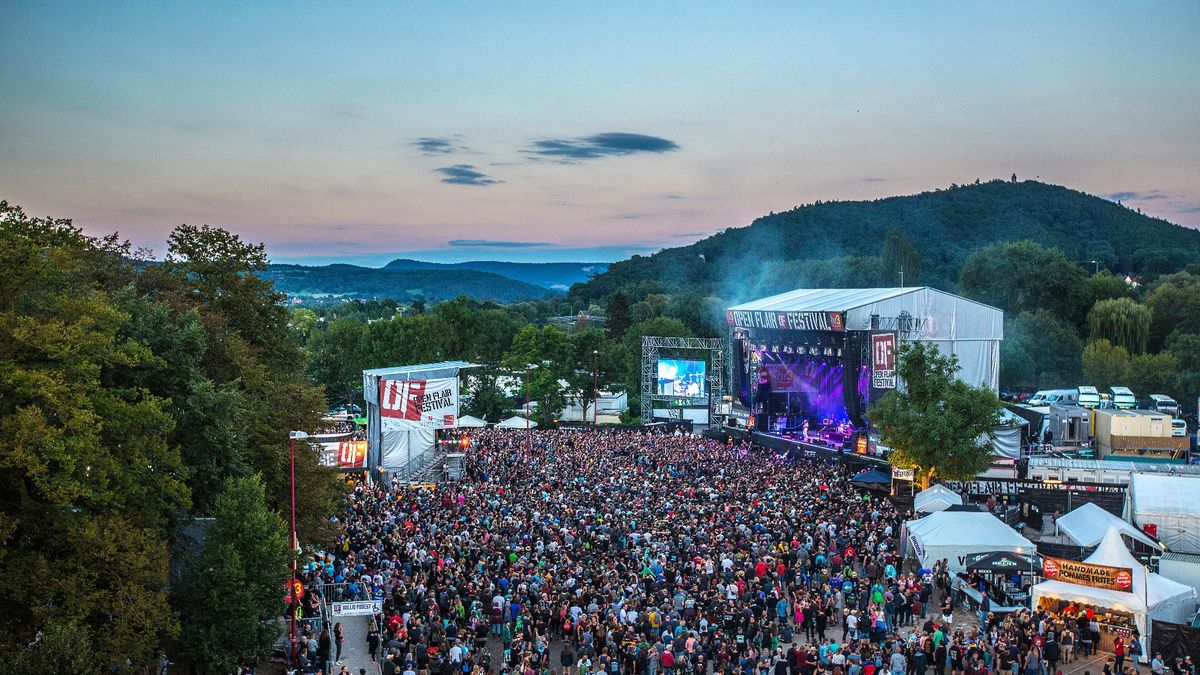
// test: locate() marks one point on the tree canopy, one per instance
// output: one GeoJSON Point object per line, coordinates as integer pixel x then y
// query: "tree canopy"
{"type": "Point", "coordinates": [935, 424]}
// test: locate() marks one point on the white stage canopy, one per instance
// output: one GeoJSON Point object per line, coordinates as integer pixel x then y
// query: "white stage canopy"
{"type": "Point", "coordinates": [471, 422]}
{"type": "Point", "coordinates": [936, 498]}
{"type": "Point", "coordinates": [953, 535]}
{"type": "Point", "coordinates": [968, 329]}
{"type": "Point", "coordinates": [1087, 525]}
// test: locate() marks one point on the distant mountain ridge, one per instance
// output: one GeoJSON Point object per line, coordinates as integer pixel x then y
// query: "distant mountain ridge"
{"type": "Point", "coordinates": [340, 282]}
{"type": "Point", "coordinates": [556, 276]}
{"type": "Point", "coordinates": [841, 243]}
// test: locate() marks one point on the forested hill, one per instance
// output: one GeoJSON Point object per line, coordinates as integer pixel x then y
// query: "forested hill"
{"type": "Point", "coordinates": [865, 243]}
{"type": "Point", "coordinates": [557, 276]}
{"type": "Point", "coordinates": [350, 282]}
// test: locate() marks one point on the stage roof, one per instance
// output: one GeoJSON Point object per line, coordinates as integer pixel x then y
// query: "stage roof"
{"type": "Point", "coordinates": [839, 299]}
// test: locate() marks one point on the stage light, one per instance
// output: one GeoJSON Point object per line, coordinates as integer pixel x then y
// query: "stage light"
{"type": "Point", "coordinates": [839, 353]}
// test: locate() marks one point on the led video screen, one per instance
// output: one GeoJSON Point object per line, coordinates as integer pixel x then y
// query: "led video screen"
{"type": "Point", "coordinates": [677, 377]}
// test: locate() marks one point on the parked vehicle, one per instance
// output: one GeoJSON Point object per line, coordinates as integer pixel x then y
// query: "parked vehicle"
{"type": "Point", "coordinates": [1123, 398]}
{"type": "Point", "coordinates": [1163, 404]}
{"type": "Point", "coordinates": [1052, 396]}
{"type": "Point", "coordinates": [1178, 428]}
{"type": "Point", "coordinates": [1087, 397]}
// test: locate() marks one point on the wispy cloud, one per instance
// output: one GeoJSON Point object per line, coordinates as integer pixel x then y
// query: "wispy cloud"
{"type": "Point", "coordinates": [608, 144]}
{"type": "Point", "coordinates": [493, 243]}
{"type": "Point", "coordinates": [434, 145]}
{"type": "Point", "coordinates": [1136, 196]}
{"type": "Point", "coordinates": [685, 235]}
{"type": "Point", "coordinates": [465, 174]}
{"type": "Point", "coordinates": [874, 179]}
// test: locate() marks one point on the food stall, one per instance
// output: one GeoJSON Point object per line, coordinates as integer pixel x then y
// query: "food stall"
{"type": "Point", "coordinates": [1111, 585]}
{"type": "Point", "coordinates": [936, 498]}
{"type": "Point", "coordinates": [1003, 577]}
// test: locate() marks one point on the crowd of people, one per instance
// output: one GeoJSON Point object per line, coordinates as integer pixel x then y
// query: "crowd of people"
{"type": "Point", "coordinates": [641, 553]}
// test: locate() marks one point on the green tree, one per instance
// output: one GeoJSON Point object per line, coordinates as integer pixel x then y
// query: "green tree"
{"type": "Point", "coordinates": [89, 481]}
{"type": "Point", "coordinates": [900, 264]}
{"type": "Point", "coordinates": [1105, 286]}
{"type": "Point", "coordinates": [550, 350]}
{"type": "Point", "coordinates": [1105, 364]}
{"type": "Point", "coordinates": [1174, 303]}
{"type": "Point", "coordinates": [936, 424]}
{"type": "Point", "coordinates": [488, 401]}
{"type": "Point", "coordinates": [617, 316]}
{"type": "Point", "coordinates": [1122, 322]}
{"type": "Point", "coordinates": [231, 595]}
{"type": "Point", "coordinates": [251, 349]}
{"type": "Point", "coordinates": [1154, 373]}
{"type": "Point", "coordinates": [337, 359]}
{"type": "Point", "coordinates": [1023, 276]}
{"type": "Point", "coordinates": [1040, 350]}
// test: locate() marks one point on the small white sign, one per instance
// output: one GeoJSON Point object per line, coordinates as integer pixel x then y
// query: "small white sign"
{"type": "Point", "coordinates": [364, 608]}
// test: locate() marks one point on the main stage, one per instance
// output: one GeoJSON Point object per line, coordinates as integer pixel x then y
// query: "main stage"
{"type": "Point", "coordinates": [809, 363]}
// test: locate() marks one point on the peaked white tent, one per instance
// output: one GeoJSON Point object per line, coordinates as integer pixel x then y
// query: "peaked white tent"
{"type": "Point", "coordinates": [516, 422]}
{"type": "Point", "coordinates": [1169, 503]}
{"type": "Point", "coordinates": [1150, 597]}
{"type": "Point", "coordinates": [1087, 525]}
{"type": "Point", "coordinates": [471, 422]}
{"type": "Point", "coordinates": [953, 535]}
{"type": "Point", "coordinates": [936, 498]}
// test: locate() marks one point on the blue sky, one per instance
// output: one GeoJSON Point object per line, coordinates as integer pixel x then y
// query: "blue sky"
{"type": "Point", "coordinates": [568, 131]}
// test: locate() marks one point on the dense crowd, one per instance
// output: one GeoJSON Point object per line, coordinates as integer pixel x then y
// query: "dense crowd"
{"type": "Point", "coordinates": [637, 553]}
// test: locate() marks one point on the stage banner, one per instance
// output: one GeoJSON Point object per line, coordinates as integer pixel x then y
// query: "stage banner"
{"type": "Point", "coordinates": [826, 321]}
{"type": "Point", "coordinates": [883, 361]}
{"type": "Point", "coordinates": [409, 405]}
{"type": "Point", "coordinates": [344, 454]}
{"type": "Point", "coordinates": [1087, 574]}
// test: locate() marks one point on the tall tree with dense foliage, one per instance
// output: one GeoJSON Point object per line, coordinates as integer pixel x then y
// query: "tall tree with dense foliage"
{"type": "Point", "coordinates": [1040, 350]}
{"type": "Point", "coordinates": [618, 318]}
{"type": "Point", "coordinates": [549, 349]}
{"type": "Point", "coordinates": [89, 481]}
{"type": "Point", "coordinates": [936, 424]}
{"type": "Point", "coordinates": [1105, 364]}
{"type": "Point", "coordinates": [1121, 321]}
{"type": "Point", "coordinates": [1023, 276]}
{"type": "Point", "coordinates": [232, 593]}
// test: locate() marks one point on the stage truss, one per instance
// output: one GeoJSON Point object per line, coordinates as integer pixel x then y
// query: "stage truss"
{"type": "Point", "coordinates": [720, 359]}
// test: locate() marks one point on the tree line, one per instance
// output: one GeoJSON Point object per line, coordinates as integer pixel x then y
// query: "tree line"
{"type": "Point", "coordinates": [145, 405]}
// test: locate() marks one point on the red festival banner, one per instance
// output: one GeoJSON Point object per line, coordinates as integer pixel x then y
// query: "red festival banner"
{"type": "Point", "coordinates": [816, 321]}
{"type": "Point", "coordinates": [409, 405]}
{"type": "Point", "coordinates": [883, 361]}
{"type": "Point", "coordinates": [1087, 574]}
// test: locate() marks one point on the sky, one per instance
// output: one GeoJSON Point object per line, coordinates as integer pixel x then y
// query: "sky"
{"type": "Point", "coordinates": [361, 132]}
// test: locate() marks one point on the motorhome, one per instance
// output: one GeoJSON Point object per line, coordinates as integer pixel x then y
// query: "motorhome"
{"type": "Point", "coordinates": [1087, 397]}
{"type": "Point", "coordinates": [1162, 403]}
{"type": "Point", "coordinates": [1122, 398]}
{"type": "Point", "coordinates": [1178, 428]}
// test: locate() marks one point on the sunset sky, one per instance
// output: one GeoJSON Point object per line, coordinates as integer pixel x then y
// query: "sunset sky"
{"type": "Point", "coordinates": [360, 132]}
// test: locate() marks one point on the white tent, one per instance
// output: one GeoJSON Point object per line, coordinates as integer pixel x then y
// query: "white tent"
{"type": "Point", "coordinates": [516, 422]}
{"type": "Point", "coordinates": [470, 422]}
{"type": "Point", "coordinates": [1087, 525]}
{"type": "Point", "coordinates": [953, 535]}
{"type": "Point", "coordinates": [1170, 504]}
{"type": "Point", "coordinates": [936, 498]}
{"type": "Point", "coordinates": [1150, 595]}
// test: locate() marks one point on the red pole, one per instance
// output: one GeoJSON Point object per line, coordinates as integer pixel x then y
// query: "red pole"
{"type": "Point", "coordinates": [292, 546]}
{"type": "Point", "coordinates": [595, 385]}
